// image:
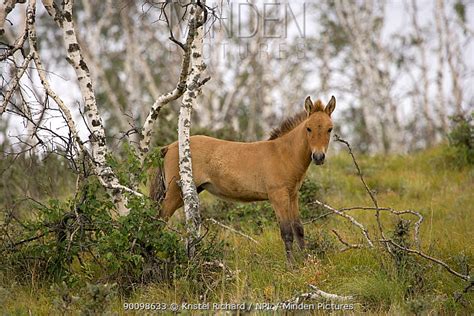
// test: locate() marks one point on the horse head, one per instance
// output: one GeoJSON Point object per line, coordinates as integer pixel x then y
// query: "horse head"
{"type": "Point", "coordinates": [318, 127]}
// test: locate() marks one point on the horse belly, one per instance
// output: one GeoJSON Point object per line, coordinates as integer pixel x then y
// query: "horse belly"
{"type": "Point", "coordinates": [235, 194]}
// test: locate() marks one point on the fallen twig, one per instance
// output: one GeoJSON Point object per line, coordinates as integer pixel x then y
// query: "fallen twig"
{"type": "Point", "coordinates": [231, 229]}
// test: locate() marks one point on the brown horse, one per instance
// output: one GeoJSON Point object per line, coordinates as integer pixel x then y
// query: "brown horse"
{"type": "Point", "coordinates": [265, 170]}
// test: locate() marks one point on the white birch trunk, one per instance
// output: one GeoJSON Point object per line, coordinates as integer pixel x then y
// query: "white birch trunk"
{"type": "Point", "coordinates": [188, 187]}
{"type": "Point", "coordinates": [441, 105]}
{"type": "Point", "coordinates": [162, 100]}
{"type": "Point", "coordinates": [452, 54]}
{"type": "Point", "coordinates": [97, 138]}
{"type": "Point", "coordinates": [424, 75]}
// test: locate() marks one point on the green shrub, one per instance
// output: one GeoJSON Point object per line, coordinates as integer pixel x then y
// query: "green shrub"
{"type": "Point", "coordinates": [309, 191]}
{"type": "Point", "coordinates": [408, 268]}
{"type": "Point", "coordinates": [461, 138]}
{"type": "Point", "coordinates": [320, 244]}
{"type": "Point", "coordinates": [79, 240]}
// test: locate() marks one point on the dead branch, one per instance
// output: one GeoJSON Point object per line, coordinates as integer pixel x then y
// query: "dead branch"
{"type": "Point", "coordinates": [388, 209]}
{"type": "Point", "coordinates": [371, 194]}
{"type": "Point", "coordinates": [17, 45]}
{"type": "Point", "coordinates": [345, 243]}
{"type": "Point", "coordinates": [435, 260]}
{"type": "Point", "coordinates": [147, 130]}
{"type": "Point", "coordinates": [15, 83]}
{"type": "Point", "coordinates": [42, 75]}
{"type": "Point", "coordinates": [364, 230]}
{"type": "Point", "coordinates": [387, 241]}
{"type": "Point", "coordinates": [212, 220]}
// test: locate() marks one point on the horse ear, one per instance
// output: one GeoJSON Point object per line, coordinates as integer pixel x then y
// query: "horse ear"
{"type": "Point", "coordinates": [308, 105]}
{"type": "Point", "coordinates": [330, 106]}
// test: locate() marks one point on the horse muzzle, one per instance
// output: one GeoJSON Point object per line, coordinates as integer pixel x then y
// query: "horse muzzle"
{"type": "Point", "coordinates": [318, 158]}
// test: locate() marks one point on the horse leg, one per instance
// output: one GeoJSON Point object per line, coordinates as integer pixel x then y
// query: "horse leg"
{"type": "Point", "coordinates": [280, 201]}
{"type": "Point", "coordinates": [297, 225]}
{"type": "Point", "coordinates": [172, 201]}
{"type": "Point", "coordinates": [287, 235]}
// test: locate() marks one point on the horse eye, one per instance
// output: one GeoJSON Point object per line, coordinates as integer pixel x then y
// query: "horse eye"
{"type": "Point", "coordinates": [308, 129]}
{"type": "Point", "coordinates": [330, 130]}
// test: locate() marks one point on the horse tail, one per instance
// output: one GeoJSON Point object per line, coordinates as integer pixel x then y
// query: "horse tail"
{"type": "Point", "coordinates": [157, 181]}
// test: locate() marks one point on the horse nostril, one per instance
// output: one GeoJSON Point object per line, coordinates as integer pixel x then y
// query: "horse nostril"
{"type": "Point", "coordinates": [318, 157]}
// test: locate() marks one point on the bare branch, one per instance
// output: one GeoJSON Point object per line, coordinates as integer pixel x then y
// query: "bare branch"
{"type": "Point", "coordinates": [350, 218]}
{"type": "Point", "coordinates": [388, 209]}
{"type": "Point", "coordinates": [345, 243]}
{"type": "Point", "coordinates": [212, 220]}
{"type": "Point", "coordinates": [16, 80]}
{"type": "Point", "coordinates": [42, 74]}
{"type": "Point", "coordinates": [371, 194]}
{"type": "Point", "coordinates": [147, 131]}
{"type": "Point", "coordinates": [435, 260]}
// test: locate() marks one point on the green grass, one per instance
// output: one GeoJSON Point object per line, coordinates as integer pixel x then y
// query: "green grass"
{"type": "Point", "coordinates": [428, 182]}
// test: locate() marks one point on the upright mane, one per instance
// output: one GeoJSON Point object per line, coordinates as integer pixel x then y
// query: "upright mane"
{"type": "Point", "coordinates": [288, 125]}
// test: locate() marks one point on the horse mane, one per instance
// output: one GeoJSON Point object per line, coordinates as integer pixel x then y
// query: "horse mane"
{"type": "Point", "coordinates": [291, 122]}
{"type": "Point", "coordinates": [288, 125]}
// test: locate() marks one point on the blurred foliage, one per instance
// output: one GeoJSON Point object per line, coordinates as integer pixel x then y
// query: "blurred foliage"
{"type": "Point", "coordinates": [34, 176]}
{"type": "Point", "coordinates": [461, 138]}
{"type": "Point", "coordinates": [460, 9]}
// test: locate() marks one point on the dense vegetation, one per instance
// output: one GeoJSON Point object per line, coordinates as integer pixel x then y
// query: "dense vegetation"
{"type": "Point", "coordinates": [64, 253]}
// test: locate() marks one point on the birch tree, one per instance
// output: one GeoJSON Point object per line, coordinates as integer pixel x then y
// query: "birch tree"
{"type": "Point", "coordinates": [95, 150]}
{"type": "Point", "coordinates": [99, 150]}
{"type": "Point", "coordinates": [193, 88]}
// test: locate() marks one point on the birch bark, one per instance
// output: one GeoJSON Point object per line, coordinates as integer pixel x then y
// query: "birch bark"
{"type": "Point", "coordinates": [441, 105]}
{"type": "Point", "coordinates": [452, 56]}
{"type": "Point", "coordinates": [97, 137]}
{"type": "Point", "coordinates": [193, 87]}
{"type": "Point", "coordinates": [420, 43]}
{"type": "Point", "coordinates": [162, 100]}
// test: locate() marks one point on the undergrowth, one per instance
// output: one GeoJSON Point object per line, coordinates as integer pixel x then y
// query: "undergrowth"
{"type": "Point", "coordinates": [70, 254]}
